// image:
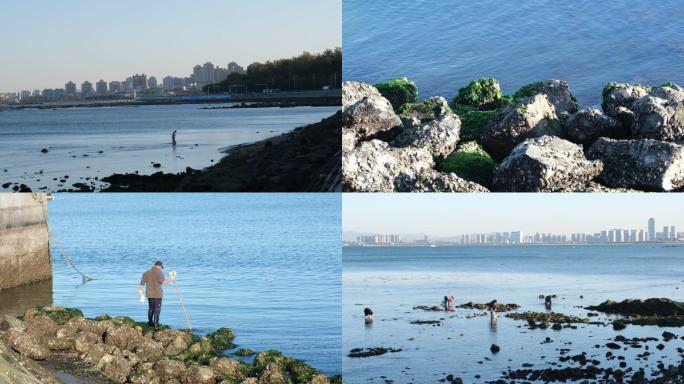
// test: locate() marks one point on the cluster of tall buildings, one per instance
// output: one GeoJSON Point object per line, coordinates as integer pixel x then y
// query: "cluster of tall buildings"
{"type": "Point", "coordinates": [133, 85]}
{"type": "Point", "coordinates": [380, 239]}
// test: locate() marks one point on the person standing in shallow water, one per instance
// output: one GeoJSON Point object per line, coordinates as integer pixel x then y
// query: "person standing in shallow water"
{"type": "Point", "coordinates": [173, 138]}
{"type": "Point", "coordinates": [153, 279]}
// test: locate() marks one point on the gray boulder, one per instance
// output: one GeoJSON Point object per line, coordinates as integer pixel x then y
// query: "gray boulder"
{"type": "Point", "coordinates": [439, 137]}
{"type": "Point", "coordinates": [434, 107]}
{"type": "Point", "coordinates": [618, 99]}
{"type": "Point", "coordinates": [587, 125]}
{"type": "Point", "coordinates": [534, 116]}
{"type": "Point", "coordinates": [26, 344]}
{"type": "Point", "coordinates": [369, 114]}
{"type": "Point", "coordinates": [659, 115]}
{"type": "Point", "coordinates": [374, 166]}
{"type": "Point", "coordinates": [433, 181]}
{"type": "Point", "coordinates": [558, 92]}
{"type": "Point", "coordinates": [640, 164]}
{"type": "Point", "coordinates": [118, 366]}
{"type": "Point", "coordinates": [545, 164]}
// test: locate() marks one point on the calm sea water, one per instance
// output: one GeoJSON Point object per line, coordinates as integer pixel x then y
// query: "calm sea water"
{"type": "Point", "coordinates": [130, 139]}
{"type": "Point", "coordinates": [444, 45]}
{"type": "Point", "coordinates": [266, 265]}
{"type": "Point", "coordinates": [391, 280]}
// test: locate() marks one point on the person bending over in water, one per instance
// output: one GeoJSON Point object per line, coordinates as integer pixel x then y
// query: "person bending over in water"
{"type": "Point", "coordinates": [173, 138]}
{"type": "Point", "coordinates": [547, 302]}
{"type": "Point", "coordinates": [492, 309]}
{"type": "Point", "coordinates": [368, 315]}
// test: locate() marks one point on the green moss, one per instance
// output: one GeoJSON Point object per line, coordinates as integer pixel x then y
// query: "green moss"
{"type": "Point", "coordinates": [610, 87]}
{"type": "Point", "coordinates": [300, 371]}
{"type": "Point", "coordinates": [61, 316]}
{"type": "Point", "coordinates": [546, 317]}
{"type": "Point", "coordinates": [221, 339]}
{"type": "Point", "coordinates": [426, 110]}
{"type": "Point", "coordinates": [244, 352]}
{"type": "Point", "coordinates": [669, 85]}
{"type": "Point", "coordinates": [295, 370]}
{"type": "Point", "coordinates": [473, 121]}
{"type": "Point", "coordinates": [398, 91]}
{"type": "Point", "coordinates": [337, 379]}
{"type": "Point", "coordinates": [482, 94]}
{"type": "Point", "coordinates": [470, 162]}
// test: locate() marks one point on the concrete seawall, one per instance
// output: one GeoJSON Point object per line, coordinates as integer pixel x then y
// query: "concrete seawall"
{"type": "Point", "coordinates": [24, 239]}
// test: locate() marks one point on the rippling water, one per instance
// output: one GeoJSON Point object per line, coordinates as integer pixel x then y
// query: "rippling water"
{"type": "Point", "coordinates": [392, 280]}
{"type": "Point", "coordinates": [96, 142]}
{"type": "Point", "coordinates": [444, 45]}
{"type": "Point", "coordinates": [266, 265]}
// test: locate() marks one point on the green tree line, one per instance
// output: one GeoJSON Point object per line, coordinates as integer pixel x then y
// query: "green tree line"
{"type": "Point", "coordinates": [301, 73]}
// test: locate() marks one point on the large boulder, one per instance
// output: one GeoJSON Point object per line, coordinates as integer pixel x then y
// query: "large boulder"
{"type": "Point", "coordinates": [26, 344]}
{"type": "Point", "coordinates": [545, 164]}
{"type": "Point", "coordinates": [587, 125]}
{"type": "Point", "coordinates": [354, 91]}
{"type": "Point", "coordinates": [558, 92]}
{"type": "Point", "coordinates": [470, 162]}
{"type": "Point", "coordinates": [412, 114]}
{"type": "Point", "coordinates": [118, 366]}
{"type": "Point", "coordinates": [368, 116]}
{"type": "Point", "coordinates": [534, 116]}
{"type": "Point", "coordinates": [169, 370]}
{"type": "Point", "coordinates": [123, 337]}
{"type": "Point", "coordinates": [642, 164]}
{"type": "Point", "coordinates": [439, 137]}
{"type": "Point", "coordinates": [200, 374]}
{"type": "Point", "coordinates": [374, 166]}
{"type": "Point", "coordinates": [398, 91]}
{"type": "Point", "coordinates": [149, 348]}
{"type": "Point", "coordinates": [7, 322]}
{"type": "Point", "coordinates": [227, 367]}
{"type": "Point", "coordinates": [659, 115]}
{"type": "Point", "coordinates": [618, 99]}
{"type": "Point", "coordinates": [434, 181]}
{"type": "Point", "coordinates": [482, 94]}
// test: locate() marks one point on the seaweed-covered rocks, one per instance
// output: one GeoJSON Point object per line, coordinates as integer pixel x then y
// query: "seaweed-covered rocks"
{"type": "Point", "coordinates": [545, 164]}
{"type": "Point", "coordinates": [588, 125]}
{"type": "Point", "coordinates": [124, 351]}
{"type": "Point", "coordinates": [653, 306]}
{"type": "Point", "coordinates": [640, 164]}
{"type": "Point", "coordinates": [412, 114]}
{"type": "Point", "coordinates": [618, 99]}
{"type": "Point", "coordinates": [533, 116]}
{"type": "Point", "coordinates": [482, 94]}
{"type": "Point", "coordinates": [484, 307]}
{"type": "Point", "coordinates": [547, 317]}
{"type": "Point", "coordinates": [558, 92]}
{"type": "Point", "coordinates": [471, 162]}
{"type": "Point", "coordinates": [368, 352]}
{"type": "Point", "coordinates": [398, 91]}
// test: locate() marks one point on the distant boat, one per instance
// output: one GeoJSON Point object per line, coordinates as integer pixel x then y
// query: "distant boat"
{"type": "Point", "coordinates": [433, 246]}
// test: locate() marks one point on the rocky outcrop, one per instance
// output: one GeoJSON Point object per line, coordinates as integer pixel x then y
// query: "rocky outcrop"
{"type": "Point", "coordinates": [588, 125]}
{"type": "Point", "coordinates": [653, 306]}
{"type": "Point", "coordinates": [124, 351]}
{"type": "Point", "coordinates": [640, 164]}
{"type": "Point", "coordinates": [618, 99]}
{"type": "Point", "coordinates": [545, 164]}
{"type": "Point", "coordinates": [533, 116]}
{"type": "Point", "coordinates": [367, 116]}
{"type": "Point", "coordinates": [377, 167]}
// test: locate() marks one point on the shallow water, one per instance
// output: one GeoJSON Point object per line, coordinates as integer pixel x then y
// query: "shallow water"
{"type": "Point", "coordinates": [391, 280]}
{"type": "Point", "coordinates": [443, 46]}
{"type": "Point", "coordinates": [266, 265]}
{"type": "Point", "coordinates": [131, 139]}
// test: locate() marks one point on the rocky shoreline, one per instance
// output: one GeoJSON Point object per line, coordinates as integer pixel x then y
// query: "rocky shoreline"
{"type": "Point", "coordinates": [50, 340]}
{"type": "Point", "coordinates": [536, 140]}
{"type": "Point", "coordinates": [611, 360]}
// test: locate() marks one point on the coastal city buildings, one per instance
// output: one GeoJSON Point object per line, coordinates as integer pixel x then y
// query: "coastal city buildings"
{"type": "Point", "coordinates": [616, 235]}
{"type": "Point", "coordinates": [133, 86]}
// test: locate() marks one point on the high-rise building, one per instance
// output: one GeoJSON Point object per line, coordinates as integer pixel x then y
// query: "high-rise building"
{"type": "Point", "coordinates": [114, 87]}
{"type": "Point", "coordinates": [139, 82]}
{"type": "Point", "coordinates": [233, 67]}
{"type": "Point", "coordinates": [651, 229]}
{"type": "Point", "coordinates": [70, 88]}
{"type": "Point", "coordinates": [516, 237]}
{"type": "Point", "coordinates": [641, 236]}
{"type": "Point", "coordinates": [25, 94]}
{"type": "Point", "coordinates": [673, 233]}
{"type": "Point", "coordinates": [152, 82]}
{"type": "Point", "coordinates": [666, 233]}
{"type": "Point", "coordinates": [86, 88]}
{"type": "Point", "coordinates": [101, 87]}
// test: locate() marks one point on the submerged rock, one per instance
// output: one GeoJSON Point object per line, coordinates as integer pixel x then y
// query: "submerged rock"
{"type": "Point", "coordinates": [534, 116]}
{"type": "Point", "coordinates": [367, 352]}
{"type": "Point", "coordinates": [641, 164]}
{"type": "Point", "coordinates": [545, 164]}
{"type": "Point", "coordinates": [586, 126]}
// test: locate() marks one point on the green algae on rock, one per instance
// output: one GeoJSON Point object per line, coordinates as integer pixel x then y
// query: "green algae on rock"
{"type": "Point", "coordinates": [471, 162]}
{"type": "Point", "coordinates": [398, 91]}
{"type": "Point", "coordinates": [483, 94]}
{"type": "Point", "coordinates": [547, 317]}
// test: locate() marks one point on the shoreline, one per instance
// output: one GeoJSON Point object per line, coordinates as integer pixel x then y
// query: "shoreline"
{"type": "Point", "coordinates": [48, 341]}
{"type": "Point", "coordinates": [304, 159]}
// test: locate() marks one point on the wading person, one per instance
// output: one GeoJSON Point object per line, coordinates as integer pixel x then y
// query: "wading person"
{"type": "Point", "coordinates": [153, 279]}
{"type": "Point", "coordinates": [173, 138]}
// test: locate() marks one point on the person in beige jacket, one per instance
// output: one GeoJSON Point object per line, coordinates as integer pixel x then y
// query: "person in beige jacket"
{"type": "Point", "coordinates": [153, 279]}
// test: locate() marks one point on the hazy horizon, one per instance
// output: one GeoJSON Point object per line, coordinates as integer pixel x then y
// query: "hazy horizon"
{"type": "Point", "coordinates": [47, 44]}
{"type": "Point", "coordinates": [445, 215]}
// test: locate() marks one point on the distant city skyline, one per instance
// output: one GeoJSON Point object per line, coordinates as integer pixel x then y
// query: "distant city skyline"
{"type": "Point", "coordinates": [448, 215]}
{"type": "Point", "coordinates": [47, 44]}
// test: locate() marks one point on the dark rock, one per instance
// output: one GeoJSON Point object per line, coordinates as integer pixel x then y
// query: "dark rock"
{"type": "Point", "coordinates": [367, 352]}
{"type": "Point", "coordinates": [494, 348]}
{"type": "Point", "coordinates": [587, 125]}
